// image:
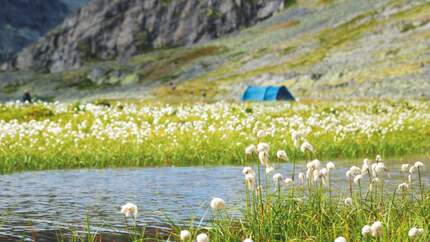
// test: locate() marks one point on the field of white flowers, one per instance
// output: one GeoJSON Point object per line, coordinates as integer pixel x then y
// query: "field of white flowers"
{"type": "Point", "coordinates": [300, 205]}
{"type": "Point", "coordinates": [303, 206]}
{"type": "Point", "coordinates": [58, 135]}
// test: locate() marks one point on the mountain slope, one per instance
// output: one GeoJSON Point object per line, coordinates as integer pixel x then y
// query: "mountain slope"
{"type": "Point", "coordinates": [106, 29]}
{"type": "Point", "coordinates": [335, 49]}
{"type": "Point", "coordinates": [22, 22]}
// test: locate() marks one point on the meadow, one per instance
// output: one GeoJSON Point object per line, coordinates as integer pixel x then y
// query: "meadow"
{"type": "Point", "coordinates": [44, 136]}
{"type": "Point", "coordinates": [299, 206]}
{"type": "Point", "coordinates": [303, 205]}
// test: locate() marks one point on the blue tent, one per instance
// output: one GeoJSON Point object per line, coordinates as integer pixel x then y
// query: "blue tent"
{"type": "Point", "coordinates": [269, 93]}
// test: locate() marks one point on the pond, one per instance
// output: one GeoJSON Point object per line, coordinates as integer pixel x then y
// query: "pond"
{"type": "Point", "coordinates": [38, 202]}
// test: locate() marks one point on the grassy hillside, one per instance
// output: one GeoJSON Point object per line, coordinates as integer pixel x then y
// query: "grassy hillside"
{"type": "Point", "coordinates": [319, 49]}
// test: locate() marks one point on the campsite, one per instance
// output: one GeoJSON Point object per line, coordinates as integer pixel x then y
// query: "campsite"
{"type": "Point", "coordinates": [215, 120]}
{"type": "Point", "coordinates": [271, 93]}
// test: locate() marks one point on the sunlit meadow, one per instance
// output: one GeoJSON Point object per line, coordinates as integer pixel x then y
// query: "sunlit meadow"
{"type": "Point", "coordinates": [56, 135]}
{"type": "Point", "coordinates": [301, 205]}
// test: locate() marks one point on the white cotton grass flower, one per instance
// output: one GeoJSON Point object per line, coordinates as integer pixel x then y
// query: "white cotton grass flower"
{"type": "Point", "coordinates": [263, 147]}
{"type": "Point", "coordinates": [264, 158]}
{"type": "Point", "coordinates": [306, 147]}
{"type": "Point", "coordinates": [129, 210]}
{"type": "Point", "coordinates": [340, 239]}
{"type": "Point", "coordinates": [295, 135]}
{"type": "Point", "coordinates": [185, 235]}
{"type": "Point", "coordinates": [419, 165]}
{"type": "Point", "coordinates": [316, 175]}
{"type": "Point", "coordinates": [348, 201]}
{"type": "Point", "coordinates": [309, 173]}
{"type": "Point", "coordinates": [217, 203]}
{"type": "Point", "coordinates": [355, 170]}
{"type": "Point", "coordinates": [376, 229]}
{"type": "Point", "coordinates": [248, 170]}
{"type": "Point", "coordinates": [403, 187]}
{"type": "Point", "coordinates": [261, 133]}
{"type": "Point", "coordinates": [277, 177]}
{"type": "Point", "coordinates": [404, 168]}
{"type": "Point", "coordinates": [315, 164]}
{"type": "Point", "coordinates": [250, 150]}
{"type": "Point", "coordinates": [323, 172]}
{"type": "Point", "coordinates": [378, 158]}
{"type": "Point", "coordinates": [366, 161]}
{"type": "Point", "coordinates": [365, 167]}
{"type": "Point", "coordinates": [415, 232]}
{"type": "Point", "coordinates": [248, 240]}
{"type": "Point", "coordinates": [366, 230]}
{"type": "Point", "coordinates": [373, 168]}
{"type": "Point", "coordinates": [250, 180]}
{"type": "Point", "coordinates": [282, 155]}
{"type": "Point", "coordinates": [357, 179]}
{"type": "Point", "coordinates": [348, 173]}
{"type": "Point", "coordinates": [380, 167]}
{"type": "Point", "coordinates": [302, 177]}
{"type": "Point", "coordinates": [412, 169]}
{"type": "Point", "coordinates": [202, 238]}
{"type": "Point", "coordinates": [330, 166]}
{"type": "Point", "coordinates": [269, 169]}
{"type": "Point", "coordinates": [323, 175]}
{"type": "Point", "coordinates": [376, 180]}
{"type": "Point", "coordinates": [288, 181]}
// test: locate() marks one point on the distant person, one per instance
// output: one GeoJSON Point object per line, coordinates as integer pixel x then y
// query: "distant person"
{"type": "Point", "coordinates": [173, 86]}
{"type": "Point", "coordinates": [26, 98]}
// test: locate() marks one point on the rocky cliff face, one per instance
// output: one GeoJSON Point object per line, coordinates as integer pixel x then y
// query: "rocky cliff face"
{"type": "Point", "coordinates": [107, 29]}
{"type": "Point", "coordinates": [22, 21]}
{"type": "Point", "coordinates": [319, 49]}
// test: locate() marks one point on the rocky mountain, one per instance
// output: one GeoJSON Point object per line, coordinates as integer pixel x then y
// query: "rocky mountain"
{"type": "Point", "coordinates": [106, 29]}
{"type": "Point", "coordinates": [212, 49]}
{"type": "Point", "coordinates": [22, 22]}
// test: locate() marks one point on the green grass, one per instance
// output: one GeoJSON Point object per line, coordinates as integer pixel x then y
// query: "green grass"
{"type": "Point", "coordinates": [137, 134]}
{"type": "Point", "coordinates": [312, 210]}
{"type": "Point", "coordinates": [111, 133]}
{"type": "Point", "coordinates": [12, 88]}
{"type": "Point", "coordinates": [25, 113]}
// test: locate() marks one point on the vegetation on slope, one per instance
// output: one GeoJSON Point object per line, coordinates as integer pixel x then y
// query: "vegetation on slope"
{"type": "Point", "coordinates": [335, 49]}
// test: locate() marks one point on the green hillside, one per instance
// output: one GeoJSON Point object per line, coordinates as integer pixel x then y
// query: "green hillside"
{"type": "Point", "coordinates": [319, 49]}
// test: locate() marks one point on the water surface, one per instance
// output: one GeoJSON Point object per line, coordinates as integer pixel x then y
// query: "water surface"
{"type": "Point", "coordinates": [51, 200]}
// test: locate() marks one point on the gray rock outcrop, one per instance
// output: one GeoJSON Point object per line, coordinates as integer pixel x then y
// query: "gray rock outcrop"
{"type": "Point", "coordinates": [108, 29]}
